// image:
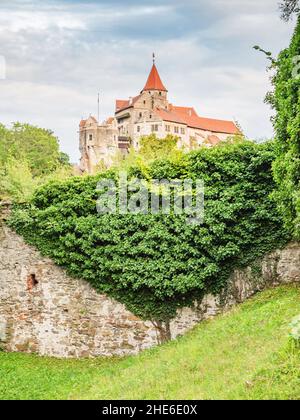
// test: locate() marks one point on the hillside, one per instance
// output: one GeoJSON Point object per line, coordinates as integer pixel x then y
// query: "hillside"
{"type": "Point", "coordinates": [241, 355]}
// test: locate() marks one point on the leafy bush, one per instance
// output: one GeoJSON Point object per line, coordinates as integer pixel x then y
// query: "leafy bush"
{"type": "Point", "coordinates": [152, 147]}
{"type": "Point", "coordinates": [158, 263]}
{"type": "Point", "coordinates": [29, 157]}
{"type": "Point", "coordinates": [286, 102]}
{"type": "Point", "coordinates": [16, 180]}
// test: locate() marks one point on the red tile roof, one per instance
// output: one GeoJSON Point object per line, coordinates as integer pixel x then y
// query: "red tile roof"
{"type": "Point", "coordinates": [217, 126]}
{"type": "Point", "coordinates": [154, 81]}
{"type": "Point", "coordinates": [170, 116]}
{"type": "Point", "coordinates": [82, 123]}
{"type": "Point", "coordinates": [124, 104]}
{"type": "Point", "coordinates": [121, 104]}
{"type": "Point", "coordinates": [188, 116]}
{"type": "Point", "coordinates": [185, 110]}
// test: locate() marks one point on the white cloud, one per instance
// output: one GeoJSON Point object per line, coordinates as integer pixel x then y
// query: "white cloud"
{"type": "Point", "coordinates": [59, 55]}
{"type": "Point", "coordinates": [77, 17]}
{"type": "Point", "coordinates": [16, 21]}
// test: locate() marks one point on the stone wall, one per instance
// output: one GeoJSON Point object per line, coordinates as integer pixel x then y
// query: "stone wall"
{"type": "Point", "coordinates": [43, 310]}
{"type": "Point", "coordinates": [277, 268]}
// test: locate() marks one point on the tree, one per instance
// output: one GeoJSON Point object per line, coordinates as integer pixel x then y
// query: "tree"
{"type": "Point", "coordinates": [37, 145]}
{"type": "Point", "coordinates": [29, 156]}
{"type": "Point", "coordinates": [64, 159]}
{"type": "Point", "coordinates": [17, 181]}
{"type": "Point", "coordinates": [5, 144]}
{"type": "Point", "coordinates": [288, 8]}
{"type": "Point", "coordinates": [285, 100]}
{"type": "Point", "coordinates": [152, 148]}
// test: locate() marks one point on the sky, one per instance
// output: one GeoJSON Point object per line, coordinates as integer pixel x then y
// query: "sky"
{"type": "Point", "coordinates": [59, 54]}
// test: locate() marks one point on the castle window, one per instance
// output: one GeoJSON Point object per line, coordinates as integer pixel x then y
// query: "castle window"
{"type": "Point", "coordinates": [144, 102]}
{"type": "Point", "coordinates": [140, 115]}
{"type": "Point", "coordinates": [176, 130]}
{"type": "Point", "coordinates": [160, 93]}
{"type": "Point", "coordinates": [91, 137]}
{"type": "Point", "coordinates": [154, 128]}
{"type": "Point", "coordinates": [138, 128]}
{"type": "Point", "coordinates": [168, 128]}
{"type": "Point", "coordinates": [182, 130]}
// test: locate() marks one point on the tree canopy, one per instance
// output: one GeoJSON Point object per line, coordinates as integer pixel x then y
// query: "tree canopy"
{"type": "Point", "coordinates": [27, 154]}
{"type": "Point", "coordinates": [288, 8]}
{"type": "Point", "coordinates": [37, 145]}
{"type": "Point", "coordinates": [153, 148]}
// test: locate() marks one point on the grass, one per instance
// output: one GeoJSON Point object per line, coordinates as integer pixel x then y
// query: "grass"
{"type": "Point", "coordinates": [240, 355]}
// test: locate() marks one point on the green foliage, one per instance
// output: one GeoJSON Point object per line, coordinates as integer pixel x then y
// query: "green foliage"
{"type": "Point", "coordinates": [29, 156]}
{"type": "Point", "coordinates": [158, 263]}
{"type": "Point", "coordinates": [37, 145]}
{"type": "Point", "coordinates": [152, 148]}
{"type": "Point", "coordinates": [268, 54]}
{"type": "Point", "coordinates": [16, 180]}
{"type": "Point", "coordinates": [286, 102]}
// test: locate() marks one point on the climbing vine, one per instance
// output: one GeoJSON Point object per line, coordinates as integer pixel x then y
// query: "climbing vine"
{"type": "Point", "coordinates": [285, 99]}
{"type": "Point", "coordinates": [157, 263]}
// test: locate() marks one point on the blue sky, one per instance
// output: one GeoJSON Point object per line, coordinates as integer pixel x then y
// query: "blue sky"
{"type": "Point", "coordinates": [59, 54]}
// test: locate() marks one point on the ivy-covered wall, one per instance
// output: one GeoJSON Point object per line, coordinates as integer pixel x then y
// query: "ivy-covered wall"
{"type": "Point", "coordinates": [155, 264]}
{"type": "Point", "coordinates": [45, 311]}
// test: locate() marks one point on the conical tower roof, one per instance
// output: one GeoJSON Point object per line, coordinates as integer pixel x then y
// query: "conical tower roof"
{"type": "Point", "coordinates": [154, 81]}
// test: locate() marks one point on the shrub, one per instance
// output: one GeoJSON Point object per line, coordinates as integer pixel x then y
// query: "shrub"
{"type": "Point", "coordinates": [29, 157]}
{"type": "Point", "coordinates": [286, 102]}
{"type": "Point", "coordinates": [155, 264]}
{"type": "Point", "coordinates": [16, 180]}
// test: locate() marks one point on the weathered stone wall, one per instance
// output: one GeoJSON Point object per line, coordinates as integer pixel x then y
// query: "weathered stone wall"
{"type": "Point", "coordinates": [101, 148]}
{"type": "Point", "coordinates": [279, 267]}
{"type": "Point", "coordinates": [43, 310]}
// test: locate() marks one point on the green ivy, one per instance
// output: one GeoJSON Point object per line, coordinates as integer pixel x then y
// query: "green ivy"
{"type": "Point", "coordinates": [155, 264]}
{"type": "Point", "coordinates": [286, 102]}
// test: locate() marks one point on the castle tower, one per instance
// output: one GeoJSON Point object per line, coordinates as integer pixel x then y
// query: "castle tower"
{"type": "Point", "coordinates": [142, 115]}
{"type": "Point", "coordinates": [97, 143]}
{"type": "Point", "coordinates": [155, 87]}
{"type": "Point", "coordinates": [154, 82]}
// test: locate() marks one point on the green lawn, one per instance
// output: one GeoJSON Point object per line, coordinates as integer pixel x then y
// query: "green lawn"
{"type": "Point", "coordinates": [241, 355]}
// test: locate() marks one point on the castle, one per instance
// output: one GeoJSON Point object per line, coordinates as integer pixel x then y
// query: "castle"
{"type": "Point", "coordinates": [148, 113]}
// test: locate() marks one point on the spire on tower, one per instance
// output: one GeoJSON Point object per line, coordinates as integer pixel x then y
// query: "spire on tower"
{"type": "Point", "coordinates": [154, 81]}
